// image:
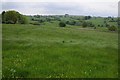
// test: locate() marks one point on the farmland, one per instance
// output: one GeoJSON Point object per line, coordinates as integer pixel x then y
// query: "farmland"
{"type": "Point", "coordinates": [46, 50]}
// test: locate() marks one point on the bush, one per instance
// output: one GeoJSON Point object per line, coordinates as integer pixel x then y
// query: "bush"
{"type": "Point", "coordinates": [78, 24]}
{"type": "Point", "coordinates": [90, 24]}
{"type": "Point", "coordinates": [23, 19]}
{"type": "Point", "coordinates": [84, 24]}
{"type": "Point", "coordinates": [94, 27]}
{"type": "Point", "coordinates": [67, 22]}
{"type": "Point", "coordinates": [98, 25]}
{"type": "Point", "coordinates": [62, 24]}
{"type": "Point", "coordinates": [107, 25]}
{"type": "Point", "coordinates": [112, 28]}
{"type": "Point", "coordinates": [118, 20]}
{"type": "Point", "coordinates": [72, 22]}
{"type": "Point", "coordinates": [41, 21]}
{"type": "Point", "coordinates": [101, 25]}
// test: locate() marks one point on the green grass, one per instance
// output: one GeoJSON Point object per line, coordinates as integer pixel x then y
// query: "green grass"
{"type": "Point", "coordinates": [100, 21]}
{"type": "Point", "coordinates": [50, 51]}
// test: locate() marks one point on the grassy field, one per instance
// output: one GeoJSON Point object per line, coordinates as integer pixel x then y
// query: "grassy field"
{"type": "Point", "coordinates": [49, 51]}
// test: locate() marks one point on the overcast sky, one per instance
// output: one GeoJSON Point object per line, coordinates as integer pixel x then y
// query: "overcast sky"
{"type": "Point", "coordinates": [60, 7]}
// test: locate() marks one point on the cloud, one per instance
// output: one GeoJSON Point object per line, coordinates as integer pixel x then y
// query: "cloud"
{"type": "Point", "coordinates": [102, 8]}
{"type": "Point", "coordinates": [73, 8]}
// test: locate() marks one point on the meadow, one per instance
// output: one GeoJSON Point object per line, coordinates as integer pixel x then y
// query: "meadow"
{"type": "Point", "coordinates": [50, 51]}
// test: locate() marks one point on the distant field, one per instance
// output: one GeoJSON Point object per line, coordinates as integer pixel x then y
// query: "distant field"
{"type": "Point", "coordinates": [51, 51]}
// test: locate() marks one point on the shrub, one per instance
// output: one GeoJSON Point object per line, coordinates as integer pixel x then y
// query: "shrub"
{"type": "Point", "coordinates": [107, 25]}
{"type": "Point", "coordinates": [118, 20]}
{"type": "Point", "coordinates": [94, 27]}
{"type": "Point", "coordinates": [62, 24]}
{"type": "Point", "coordinates": [67, 22]}
{"type": "Point", "coordinates": [112, 28]}
{"type": "Point", "coordinates": [98, 25]}
{"type": "Point", "coordinates": [101, 25]}
{"type": "Point", "coordinates": [23, 19]}
{"type": "Point", "coordinates": [72, 22]}
{"type": "Point", "coordinates": [90, 24]}
{"type": "Point", "coordinates": [78, 24]}
{"type": "Point", "coordinates": [84, 24]}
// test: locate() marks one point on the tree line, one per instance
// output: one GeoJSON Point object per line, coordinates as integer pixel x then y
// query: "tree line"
{"type": "Point", "coordinates": [14, 17]}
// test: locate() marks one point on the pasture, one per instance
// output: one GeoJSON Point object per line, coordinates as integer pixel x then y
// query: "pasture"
{"type": "Point", "coordinates": [50, 51]}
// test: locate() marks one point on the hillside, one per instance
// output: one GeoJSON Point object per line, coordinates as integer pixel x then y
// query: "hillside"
{"type": "Point", "coordinates": [47, 50]}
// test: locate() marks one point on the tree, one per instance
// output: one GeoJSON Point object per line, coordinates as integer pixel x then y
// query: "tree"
{"type": "Point", "coordinates": [0, 18]}
{"type": "Point", "coordinates": [3, 17]}
{"type": "Point", "coordinates": [62, 24]}
{"type": "Point", "coordinates": [66, 15]}
{"type": "Point", "coordinates": [112, 28]}
{"type": "Point", "coordinates": [13, 17]}
{"type": "Point", "coordinates": [87, 17]}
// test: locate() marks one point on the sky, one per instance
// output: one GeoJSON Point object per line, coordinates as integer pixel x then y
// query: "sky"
{"type": "Point", "coordinates": [61, 7]}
